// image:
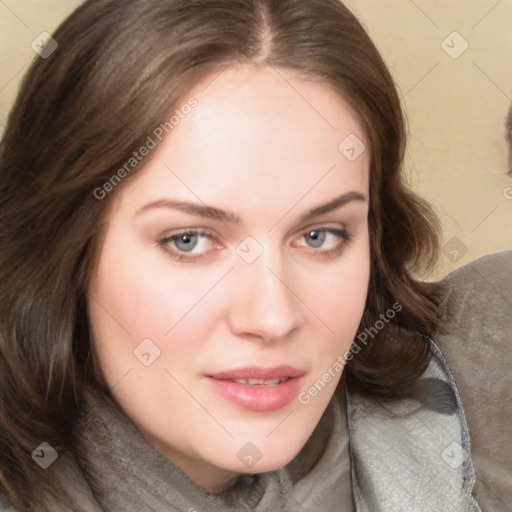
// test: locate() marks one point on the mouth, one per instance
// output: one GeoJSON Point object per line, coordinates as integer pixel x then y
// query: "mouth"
{"type": "Point", "coordinates": [261, 382]}
{"type": "Point", "coordinates": [257, 388]}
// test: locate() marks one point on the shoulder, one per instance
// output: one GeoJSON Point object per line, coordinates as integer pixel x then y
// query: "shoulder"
{"type": "Point", "coordinates": [477, 284]}
{"type": "Point", "coordinates": [476, 313]}
{"type": "Point", "coordinates": [476, 310]}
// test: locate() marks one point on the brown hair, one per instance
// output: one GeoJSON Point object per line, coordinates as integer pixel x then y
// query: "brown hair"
{"type": "Point", "coordinates": [508, 138]}
{"type": "Point", "coordinates": [82, 112]}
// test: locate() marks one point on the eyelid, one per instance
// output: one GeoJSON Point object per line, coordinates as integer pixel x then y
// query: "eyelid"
{"type": "Point", "coordinates": [340, 231]}
{"type": "Point", "coordinates": [186, 231]}
{"type": "Point", "coordinates": [327, 226]}
{"type": "Point", "coordinates": [165, 240]}
{"type": "Point", "coordinates": [336, 231]}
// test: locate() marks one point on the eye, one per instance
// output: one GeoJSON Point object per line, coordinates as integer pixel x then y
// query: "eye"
{"type": "Point", "coordinates": [323, 241]}
{"type": "Point", "coordinates": [315, 238]}
{"type": "Point", "coordinates": [189, 245]}
{"type": "Point", "coordinates": [186, 243]}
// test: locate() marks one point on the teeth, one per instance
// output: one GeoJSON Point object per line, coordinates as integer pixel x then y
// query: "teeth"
{"type": "Point", "coordinates": [261, 382]}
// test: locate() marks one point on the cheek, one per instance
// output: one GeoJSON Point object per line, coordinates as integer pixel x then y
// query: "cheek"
{"type": "Point", "coordinates": [140, 297]}
{"type": "Point", "coordinates": [338, 300]}
{"type": "Point", "coordinates": [340, 293]}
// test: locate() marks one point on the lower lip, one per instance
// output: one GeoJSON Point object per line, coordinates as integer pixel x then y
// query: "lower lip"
{"type": "Point", "coordinates": [258, 398]}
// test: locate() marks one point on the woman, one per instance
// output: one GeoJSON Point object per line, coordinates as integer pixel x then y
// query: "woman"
{"type": "Point", "coordinates": [207, 261]}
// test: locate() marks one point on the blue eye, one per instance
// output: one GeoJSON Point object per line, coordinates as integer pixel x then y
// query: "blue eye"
{"type": "Point", "coordinates": [315, 238]}
{"type": "Point", "coordinates": [186, 242]}
{"type": "Point", "coordinates": [324, 238]}
{"type": "Point", "coordinates": [189, 245]}
{"type": "Point", "coordinates": [325, 241]}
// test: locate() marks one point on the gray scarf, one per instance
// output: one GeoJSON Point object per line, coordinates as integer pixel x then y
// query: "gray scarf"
{"type": "Point", "coordinates": [126, 474]}
{"type": "Point", "coordinates": [404, 456]}
{"type": "Point", "coordinates": [408, 456]}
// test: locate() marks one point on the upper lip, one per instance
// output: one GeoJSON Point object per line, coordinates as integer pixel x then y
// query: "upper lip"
{"type": "Point", "coordinates": [258, 372]}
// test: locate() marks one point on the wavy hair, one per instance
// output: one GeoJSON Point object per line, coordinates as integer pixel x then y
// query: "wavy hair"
{"type": "Point", "coordinates": [80, 114]}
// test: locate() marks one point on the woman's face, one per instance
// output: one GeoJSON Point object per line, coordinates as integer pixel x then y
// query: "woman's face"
{"type": "Point", "coordinates": [239, 252]}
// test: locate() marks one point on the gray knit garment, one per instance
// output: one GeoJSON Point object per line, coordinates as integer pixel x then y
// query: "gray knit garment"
{"type": "Point", "coordinates": [408, 457]}
{"type": "Point", "coordinates": [126, 474]}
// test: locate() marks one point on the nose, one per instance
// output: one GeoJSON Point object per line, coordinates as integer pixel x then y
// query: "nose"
{"type": "Point", "coordinates": [263, 305]}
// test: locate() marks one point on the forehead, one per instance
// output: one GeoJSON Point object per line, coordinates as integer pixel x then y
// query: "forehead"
{"type": "Point", "coordinates": [258, 134]}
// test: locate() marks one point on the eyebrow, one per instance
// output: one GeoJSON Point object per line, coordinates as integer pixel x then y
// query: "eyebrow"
{"type": "Point", "coordinates": [336, 203]}
{"type": "Point", "coordinates": [211, 212]}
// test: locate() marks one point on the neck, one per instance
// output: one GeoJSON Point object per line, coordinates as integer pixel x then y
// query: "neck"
{"type": "Point", "coordinates": [209, 477]}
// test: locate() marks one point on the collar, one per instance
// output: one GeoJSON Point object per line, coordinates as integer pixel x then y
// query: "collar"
{"type": "Point", "coordinates": [125, 473]}
{"type": "Point", "coordinates": [404, 455]}
{"type": "Point", "coordinates": [412, 456]}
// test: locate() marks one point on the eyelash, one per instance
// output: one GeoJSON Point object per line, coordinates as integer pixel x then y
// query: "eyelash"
{"type": "Point", "coordinates": [182, 256]}
{"type": "Point", "coordinates": [343, 234]}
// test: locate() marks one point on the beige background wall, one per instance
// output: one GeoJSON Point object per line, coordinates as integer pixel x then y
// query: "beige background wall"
{"type": "Point", "coordinates": [456, 102]}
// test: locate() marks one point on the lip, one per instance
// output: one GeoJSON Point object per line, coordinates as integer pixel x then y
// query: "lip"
{"type": "Point", "coordinates": [258, 398]}
{"type": "Point", "coordinates": [258, 372]}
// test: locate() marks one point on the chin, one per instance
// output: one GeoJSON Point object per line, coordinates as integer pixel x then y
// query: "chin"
{"type": "Point", "coordinates": [267, 452]}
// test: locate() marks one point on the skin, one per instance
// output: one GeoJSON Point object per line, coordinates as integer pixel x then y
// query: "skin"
{"type": "Point", "coordinates": [268, 153]}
